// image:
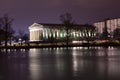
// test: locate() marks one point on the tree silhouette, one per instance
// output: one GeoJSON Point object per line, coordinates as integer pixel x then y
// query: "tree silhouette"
{"type": "Point", "coordinates": [105, 31]}
{"type": "Point", "coordinates": [67, 21]}
{"type": "Point", "coordinates": [6, 23]}
{"type": "Point", "coordinates": [89, 33]}
{"type": "Point", "coordinates": [23, 36]}
{"type": "Point", "coordinates": [2, 38]}
{"type": "Point", "coordinates": [116, 34]}
{"type": "Point", "coordinates": [10, 34]}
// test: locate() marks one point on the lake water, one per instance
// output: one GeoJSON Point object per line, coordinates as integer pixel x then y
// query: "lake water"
{"type": "Point", "coordinates": [77, 63]}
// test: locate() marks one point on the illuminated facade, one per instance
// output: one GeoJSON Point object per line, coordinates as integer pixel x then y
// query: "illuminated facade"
{"type": "Point", "coordinates": [56, 32]}
{"type": "Point", "coordinates": [111, 25]}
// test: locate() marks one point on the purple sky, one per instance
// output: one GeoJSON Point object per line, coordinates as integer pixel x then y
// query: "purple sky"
{"type": "Point", "coordinates": [26, 12]}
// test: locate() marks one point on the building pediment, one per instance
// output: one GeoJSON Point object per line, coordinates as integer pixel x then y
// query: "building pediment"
{"type": "Point", "coordinates": [36, 25]}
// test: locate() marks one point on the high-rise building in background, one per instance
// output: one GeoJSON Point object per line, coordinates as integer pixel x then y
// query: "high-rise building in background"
{"type": "Point", "coordinates": [111, 25]}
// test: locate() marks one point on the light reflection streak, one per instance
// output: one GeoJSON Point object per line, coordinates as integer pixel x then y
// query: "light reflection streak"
{"type": "Point", "coordinates": [110, 67]}
{"type": "Point", "coordinates": [103, 66]}
{"type": "Point", "coordinates": [77, 64]}
{"type": "Point", "coordinates": [35, 68]}
{"type": "Point", "coordinates": [35, 71]}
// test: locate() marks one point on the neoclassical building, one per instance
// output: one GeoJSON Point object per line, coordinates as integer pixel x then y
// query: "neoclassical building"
{"type": "Point", "coordinates": [40, 32]}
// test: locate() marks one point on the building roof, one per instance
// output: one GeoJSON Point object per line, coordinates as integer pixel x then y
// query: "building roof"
{"type": "Point", "coordinates": [41, 25]}
{"type": "Point", "coordinates": [106, 19]}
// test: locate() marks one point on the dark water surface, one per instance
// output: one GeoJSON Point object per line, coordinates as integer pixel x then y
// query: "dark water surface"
{"type": "Point", "coordinates": [61, 64]}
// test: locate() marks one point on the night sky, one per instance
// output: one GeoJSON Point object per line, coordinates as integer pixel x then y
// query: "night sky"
{"type": "Point", "coordinates": [26, 12]}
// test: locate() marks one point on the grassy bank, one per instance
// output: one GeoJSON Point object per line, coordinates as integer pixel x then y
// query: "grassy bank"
{"type": "Point", "coordinates": [107, 44]}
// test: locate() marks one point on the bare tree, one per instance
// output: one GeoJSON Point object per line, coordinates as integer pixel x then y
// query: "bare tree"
{"type": "Point", "coordinates": [89, 32]}
{"type": "Point", "coordinates": [67, 21]}
{"type": "Point", "coordinates": [23, 36]}
{"type": "Point", "coordinates": [2, 35]}
{"type": "Point", "coordinates": [116, 34]}
{"type": "Point", "coordinates": [11, 32]}
{"type": "Point", "coordinates": [105, 32]}
{"type": "Point", "coordinates": [6, 22]}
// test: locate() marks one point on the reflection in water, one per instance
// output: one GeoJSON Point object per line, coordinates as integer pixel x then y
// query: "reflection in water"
{"type": "Point", "coordinates": [111, 68]}
{"type": "Point", "coordinates": [77, 63]}
{"type": "Point", "coordinates": [52, 65]}
{"type": "Point", "coordinates": [35, 67]}
{"type": "Point", "coordinates": [102, 64]}
{"type": "Point", "coordinates": [13, 65]}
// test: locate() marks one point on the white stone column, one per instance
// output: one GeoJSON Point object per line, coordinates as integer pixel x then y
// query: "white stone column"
{"type": "Point", "coordinates": [43, 34]}
{"type": "Point", "coordinates": [34, 35]}
{"type": "Point", "coordinates": [57, 34]}
{"type": "Point", "coordinates": [39, 35]}
{"type": "Point", "coordinates": [30, 35]}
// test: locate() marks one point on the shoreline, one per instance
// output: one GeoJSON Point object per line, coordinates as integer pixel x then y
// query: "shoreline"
{"type": "Point", "coordinates": [59, 46]}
